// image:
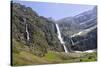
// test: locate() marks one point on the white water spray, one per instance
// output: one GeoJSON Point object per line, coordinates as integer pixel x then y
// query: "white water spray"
{"type": "Point", "coordinates": [26, 28]}
{"type": "Point", "coordinates": [72, 42]}
{"type": "Point", "coordinates": [60, 38]}
{"type": "Point", "coordinates": [27, 33]}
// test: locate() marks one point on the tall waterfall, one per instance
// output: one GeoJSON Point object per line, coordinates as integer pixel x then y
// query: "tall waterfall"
{"type": "Point", "coordinates": [72, 42]}
{"type": "Point", "coordinates": [26, 28]}
{"type": "Point", "coordinates": [27, 33]}
{"type": "Point", "coordinates": [60, 38]}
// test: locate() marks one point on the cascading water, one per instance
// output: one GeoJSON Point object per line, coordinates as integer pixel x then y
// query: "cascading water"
{"type": "Point", "coordinates": [27, 33]}
{"type": "Point", "coordinates": [26, 28]}
{"type": "Point", "coordinates": [72, 42]}
{"type": "Point", "coordinates": [60, 38]}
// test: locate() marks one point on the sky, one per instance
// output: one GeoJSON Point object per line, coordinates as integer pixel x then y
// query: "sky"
{"type": "Point", "coordinates": [56, 10]}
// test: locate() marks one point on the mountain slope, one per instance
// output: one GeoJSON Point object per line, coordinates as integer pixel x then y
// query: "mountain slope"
{"type": "Point", "coordinates": [80, 29]}
{"type": "Point", "coordinates": [35, 39]}
{"type": "Point", "coordinates": [33, 32]}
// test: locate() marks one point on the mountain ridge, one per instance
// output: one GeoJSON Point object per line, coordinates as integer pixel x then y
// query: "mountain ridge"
{"type": "Point", "coordinates": [35, 39]}
{"type": "Point", "coordinates": [78, 27]}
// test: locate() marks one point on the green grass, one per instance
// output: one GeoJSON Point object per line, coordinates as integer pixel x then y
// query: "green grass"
{"type": "Point", "coordinates": [26, 58]}
{"type": "Point", "coordinates": [89, 57]}
{"type": "Point", "coordinates": [21, 55]}
{"type": "Point", "coordinates": [52, 57]}
{"type": "Point", "coordinates": [61, 57]}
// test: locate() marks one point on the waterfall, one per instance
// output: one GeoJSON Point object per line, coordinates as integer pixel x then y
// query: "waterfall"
{"type": "Point", "coordinates": [60, 38]}
{"type": "Point", "coordinates": [26, 28]}
{"type": "Point", "coordinates": [27, 33]}
{"type": "Point", "coordinates": [72, 42]}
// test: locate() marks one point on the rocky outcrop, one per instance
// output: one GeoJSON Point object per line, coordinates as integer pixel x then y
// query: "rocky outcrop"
{"type": "Point", "coordinates": [86, 42]}
{"type": "Point", "coordinates": [41, 32]}
{"type": "Point", "coordinates": [81, 29]}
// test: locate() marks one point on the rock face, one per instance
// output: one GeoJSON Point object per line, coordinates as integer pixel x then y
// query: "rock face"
{"type": "Point", "coordinates": [86, 42]}
{"type": "Point", "coordinates": [38, 35]}
{"type": "Point", "coordinates": [81, 29]}
{"type": "Point", "coordinates": [40, 31]}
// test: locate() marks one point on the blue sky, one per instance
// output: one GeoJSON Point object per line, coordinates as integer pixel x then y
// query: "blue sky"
{"type": "Point", "coordinates": [56, 10]}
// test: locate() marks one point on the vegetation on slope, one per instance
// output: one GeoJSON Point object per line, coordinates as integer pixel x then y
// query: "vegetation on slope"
{"type": "Point", "coordinates": [22, 55]}
{"type": "Point", "coordinates": [43, 46]}
{"type": "Point", "coordinates": [42, 31]}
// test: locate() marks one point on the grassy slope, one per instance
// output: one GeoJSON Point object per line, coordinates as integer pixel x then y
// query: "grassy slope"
{"type": "Point", "coordinates": [27, 58]}
{"type": "Point", "coordinates": [23, 56]}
